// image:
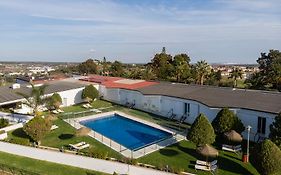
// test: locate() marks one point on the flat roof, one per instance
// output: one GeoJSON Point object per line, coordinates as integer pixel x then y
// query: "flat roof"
{"type": "Point", "coordinates": [218, 97]}
{"type": "Point", "coordinates": [7, 94]}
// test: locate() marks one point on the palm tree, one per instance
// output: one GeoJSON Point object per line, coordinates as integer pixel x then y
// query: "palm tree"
{"type": "Point", "coordinates": [236, 73]}
{"type": "Point", "coordinates": [202, 69]}
{"type": "Point", "coordinates": [35, 98]}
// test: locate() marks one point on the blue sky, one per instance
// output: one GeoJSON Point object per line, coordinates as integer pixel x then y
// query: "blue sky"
{"type": "Point", "coordinates": [222, 31]}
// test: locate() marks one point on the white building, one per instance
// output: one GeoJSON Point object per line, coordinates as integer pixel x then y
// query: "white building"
{"type": "Point", "coordinates": [254, 108]}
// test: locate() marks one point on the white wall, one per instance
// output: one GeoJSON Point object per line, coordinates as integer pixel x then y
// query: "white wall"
{"type": "Point", "coordinates": [71, 97]}
{"type": "Point", "coordinates": [161, 105]}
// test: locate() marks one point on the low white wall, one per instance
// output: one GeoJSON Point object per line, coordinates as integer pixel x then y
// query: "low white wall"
{"type": "Point", "coordinates": [3, 136]}
{"type": "Point", "coordinates": [12, 127]}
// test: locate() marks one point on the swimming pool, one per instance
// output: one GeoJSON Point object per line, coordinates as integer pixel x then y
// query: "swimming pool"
{"type": "Point", "coordinates": [129, 133]}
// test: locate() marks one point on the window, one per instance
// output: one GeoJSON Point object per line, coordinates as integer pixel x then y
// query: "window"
{"type": "Point", "coordinates": [261, 125]}
{"type": "Point", "coordinates": [186, 108]}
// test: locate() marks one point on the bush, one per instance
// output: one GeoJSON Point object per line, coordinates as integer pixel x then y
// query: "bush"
{"type": "Point", "coordinates": [201, 131]}
{"type": "Point", "coordinates": [275, 131]}
{"type": "Point", "coordinates": [267, 158]}
{"type": "Point", "coordinates": [90, 92]}
{"type": "Point", "coordinates": [55, 101]}
{"type": "Point", "coordinates": [37, 128]}
{"type": "Point", "coordinates": [4, 123]}
{"type": "Point", "coordinates": [97, 154]}
{"type": "Point", "coordinates": [225, 121]}
{"type": "Point", "coordinates": [20, 141]}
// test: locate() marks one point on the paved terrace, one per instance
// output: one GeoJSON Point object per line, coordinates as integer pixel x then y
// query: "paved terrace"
{"type": "Point", "coordinates": [77, 161]}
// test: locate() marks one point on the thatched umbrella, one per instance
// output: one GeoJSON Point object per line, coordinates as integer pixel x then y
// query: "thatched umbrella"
{"type": "Point", "coordinates": [207, 151]}
{"type": "Point", "coordinates": [233, 136]}
{"type": "Point", "coordinates": [83, 131]}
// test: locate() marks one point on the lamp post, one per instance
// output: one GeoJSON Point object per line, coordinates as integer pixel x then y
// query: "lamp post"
{"type": "Point", "coordinates": [248, 141]}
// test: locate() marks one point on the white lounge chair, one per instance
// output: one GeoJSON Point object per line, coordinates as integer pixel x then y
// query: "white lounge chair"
{"type": "Point", "coordinates": [54, 127]}
{"type": "Point", "coordinates": [85, 106]}
{"type": "Point", "coordinates": [200, 162]}
{"type": "Point", "coordinates": [60, 111]}
{"type": "Point", "coordinates": [55, 112]}
{"type": "Point", "coordinates": [206, 168]}
{"type": "Point", "coordinates": [79, 146]}
{"type": "Point", "coordinates": [231, 148]}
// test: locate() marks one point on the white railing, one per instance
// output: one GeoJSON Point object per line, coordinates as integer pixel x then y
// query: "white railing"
{"type": "Point", "coordinates": [122, 149]}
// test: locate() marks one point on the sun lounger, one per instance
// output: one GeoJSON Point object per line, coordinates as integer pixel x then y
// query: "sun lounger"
{"type": "Point", "coordinates": [231, 148]}
{"type": "Point", "coordinates": [79, 146]}
{"type": "Point", "coordinates": [200, 162]}
{"type": "Point", "coordinates": [55, 112]}
{"type": "Point", "coordinates": [206, 168]}
{"type": "Point", "coordinates": [54, 127]}
{"type": "Point", "coordinates": [89, 105]}
{"type": "Point", "coordinates": [60, 111]}
{"type": "Point", "coordinates": [85, 106]}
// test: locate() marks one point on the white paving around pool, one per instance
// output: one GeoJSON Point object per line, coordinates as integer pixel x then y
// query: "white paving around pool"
{"type": "Point", "coordinates": [120, 148]}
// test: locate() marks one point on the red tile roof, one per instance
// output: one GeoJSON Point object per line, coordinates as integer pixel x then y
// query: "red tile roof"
{"type": "Point", "coordinates": [112, 82]}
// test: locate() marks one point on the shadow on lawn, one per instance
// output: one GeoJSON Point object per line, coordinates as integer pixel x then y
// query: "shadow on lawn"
{"type": "Point", "coordinates": [231, 166]}
{"type": "Point", "coordinates": [66, 136]}
{"type": "Point", "coordinates": [20, 133]}
{"type": "Point", "coordinates": [168, 152]}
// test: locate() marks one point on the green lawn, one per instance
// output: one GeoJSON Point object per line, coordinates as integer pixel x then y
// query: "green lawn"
{"type": "Point", "coordinates": [41, 167]}
{"type": "Point", "coordinates": [182, 156]}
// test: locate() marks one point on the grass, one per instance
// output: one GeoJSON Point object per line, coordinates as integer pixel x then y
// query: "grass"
{"type": "Point", "coordinates": [42, 167]}
{"type": "Point", "coordinates": [182, 156]}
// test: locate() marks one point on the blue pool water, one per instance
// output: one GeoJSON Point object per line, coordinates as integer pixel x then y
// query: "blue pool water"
{"type": "Point", "coordinates": [129, 133]}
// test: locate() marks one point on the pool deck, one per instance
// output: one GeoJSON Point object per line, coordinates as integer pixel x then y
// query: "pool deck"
{"type": "Point", "coordinates": [176, 137]}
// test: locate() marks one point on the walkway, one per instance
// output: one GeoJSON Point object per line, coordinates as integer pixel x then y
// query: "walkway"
{"type": "Point", "coordinates": [77, 161]}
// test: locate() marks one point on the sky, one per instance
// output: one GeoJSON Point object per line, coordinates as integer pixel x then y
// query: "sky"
{"type": "Point", "coordinates": [133, 31]}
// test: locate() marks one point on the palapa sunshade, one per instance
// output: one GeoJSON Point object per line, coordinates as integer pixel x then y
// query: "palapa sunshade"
{"type": "Point", "coordinates": [207, 151]}
{"type": "Point", "coordinates": [233, 136]}
{"type": "Point", "coordinates": [83, 131]}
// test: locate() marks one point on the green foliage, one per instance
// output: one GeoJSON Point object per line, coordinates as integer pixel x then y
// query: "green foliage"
{"type": "Point", "coordinates": [4, 122]}
{"type": "Point", "coordinates": [92, 152]}
{"type": "Point", "coordinates": [234, 74]}
{"type": "Point", "coordinates": [35, 98]}
{"type": "Point", "coordinates": [181, 67]}
{"type": "Point", "coordinates": [90, 92]}
{"type": "Point", "coordinates": [202, 70]}
{"type": "Point", "coordinates": [225, 121]}
{"type": "Point", "coordinates": [275, 131]}
{"type": "Point", "coordinates": [20, 141]}
{"type": "Point", "coordinates": [201, 131]}
{"type": "Point", "coordinates": [37, 128]}
{"type": "Point", "coordinates": [117, 69]}
{"type": "Point", "coordinates": [269, 76]}
{"type": "Point", "coordinates": [88, 67]}
{"type": "Point", "coordinates": [162, 65]}
{"type": "Point", "coordinates": [55, 100]}
{"type": "Point", "coordinates": [267, 158]}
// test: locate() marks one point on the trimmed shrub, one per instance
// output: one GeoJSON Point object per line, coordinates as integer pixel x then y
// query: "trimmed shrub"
{"type": "Point", "coordinates": [275, 131]}
{"type": "Point", "coordinates": [90, 92]}
{"type": "Point", "coordinates": [225, 121]}
{"type": "Point", "coordinates": [201, 131]}
{"type": "Point", "coordinates": [55, 101]}
{"type": "Point", "coordinates": [267, 158]}
{"type": "Point", "coordinates": [97, 153]}
{"type": "Point", "coordinates": [20, 141]}
{"type": "Point", "coordinates": [4, 123]}
{"type": "Point", "coordinates": [37, 128]}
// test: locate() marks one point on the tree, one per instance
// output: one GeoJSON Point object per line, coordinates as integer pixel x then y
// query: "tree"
{"type": "Point", "coordinates": [90, 92]}
{"type": "Point", "coordinates": [267, 158]}
{"type": "Point", "coordinates": [162, 65]}
{"type": "Point", "coordinates": [55, 101]}
{"type": "Point", "coordinates": [117, 69]}
{"type": "Point", "coordinates": [275, 131]}
{"type": "Point", "coordinates": [270, 71]}
{"type": "Point", "coordinates": [105, 67]}
{"type": "Point", "coordinates": [35, 98]}
{"type": "Point", "coordinates": [181, 67]}
{"type": "Point", "coordinates": [88, 67]}
{"type": "Point", "coordinates": [234, 74]}
{"type": "Point", "coordinates": [225, 121]}
{"type": "Point", "coordinates": [201, 131]}
{"type": "Point", "coordinates": [202, 69]}
{"type": "Point", "coordinates": [148, 73]}
{"type": "Point", "coordinates": [37, 128]}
